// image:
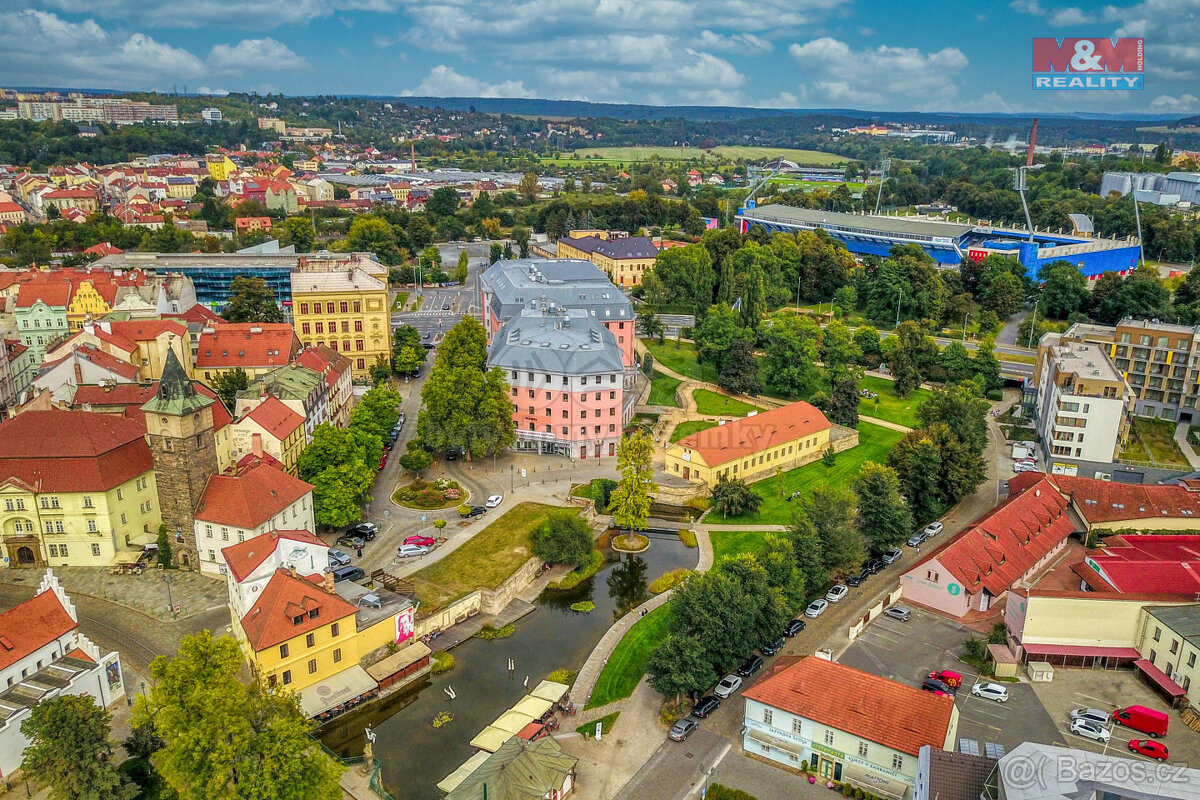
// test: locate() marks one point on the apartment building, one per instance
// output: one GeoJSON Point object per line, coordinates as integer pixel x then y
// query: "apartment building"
{"type": "Point", "coordinates": [1084, 403]}
{"type": "Point", "coordinates": [1160, 361]}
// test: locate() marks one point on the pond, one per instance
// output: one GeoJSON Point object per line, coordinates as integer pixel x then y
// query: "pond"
{"type": "Point", "coordinates": [414, 755]}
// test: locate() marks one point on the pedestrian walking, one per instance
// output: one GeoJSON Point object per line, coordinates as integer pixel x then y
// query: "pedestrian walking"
{"type": "Point", "coordinates": [359, 549]}
{"type": "Point", "coordinates": [918, 550]}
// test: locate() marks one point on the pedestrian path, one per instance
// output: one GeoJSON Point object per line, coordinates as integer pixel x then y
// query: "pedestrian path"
{"type": "Point", "coordinates": [1189, 452]}
{"type": "Point", "coordinates": [155, 592]}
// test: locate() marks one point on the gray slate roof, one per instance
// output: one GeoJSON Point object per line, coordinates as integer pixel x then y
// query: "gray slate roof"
{"type": "Point", "coordinates": [561, 282]}
{"type": "Point", "coordinates": [626, 247]}
{"type": "Point", "coordinates": [566, 342]}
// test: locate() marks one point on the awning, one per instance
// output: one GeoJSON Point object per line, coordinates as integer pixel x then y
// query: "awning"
{"type": "Point", "coordinates": [535, 707]}
{"type": "Point", "coordinates": [1159, 678]}
{"type": "Point", "coordinates": [336, 690]}
{"type": "Point", "coordinates": [410, 653]}
{"type": "Point", "coordinates": [550, 690]}
{"type": "Point", "coordinates": [1080, 650]}
{"type": "Point", "coordinates": [875, 782]}
{"type": "Point", "coordinates": [451, 781]}
{"type": "Point", "coordinates": [768, 740]}
{"type": "Point", "coordinates": [490, 739]}
{"type": "Point", "coordinates": [512, 721]}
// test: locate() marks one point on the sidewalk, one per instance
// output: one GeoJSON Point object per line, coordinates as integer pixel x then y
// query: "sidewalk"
{"type": "Point", "coordinates": [147, 593]}
{"type": "Point", "coordinates": [1189, 452]}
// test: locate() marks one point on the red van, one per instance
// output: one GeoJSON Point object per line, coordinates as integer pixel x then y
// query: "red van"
{"type": "Point", "coordinates": [1143, 719]}
{"type": "Point", "coordinates": [948, 677]}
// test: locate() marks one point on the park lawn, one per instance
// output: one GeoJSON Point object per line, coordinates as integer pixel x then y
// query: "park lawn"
{"type": "Point", "coordinates": [662, 390]}
{"type": "Point", "coordinates": [1159, 437]}
{"type": "Point", "coordinates": [486, 561]}
{"type": "Point", "coordinates": [642, 153]}
{"type": "Point", "coordinates": [708, 402]}
{"type": "Point", "coordinates": [681, 359]}
{"type": "Point", "coordinates": [813, 158]}
{"type": "Point", "coordinates": [900, 410]}
{"type": "Point", "coordinates": [627, 664]}
{"type": "Point", "coordinates": [874, 443]}
{"type": "Point", "coordinates": [398, 303]}
{"type": "Point", "coordinates": [606, 724]}
{"type": "Point", "coordinates": [691, 426]}
{"type": "Point", "coordinates": [734, 541]}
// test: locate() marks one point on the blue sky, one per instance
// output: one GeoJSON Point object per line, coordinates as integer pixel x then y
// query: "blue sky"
{"type": "Point", "coordinates": [870, 54]}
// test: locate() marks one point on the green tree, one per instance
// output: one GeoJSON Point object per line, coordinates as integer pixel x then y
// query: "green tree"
{"type": "Point", "coordinates": [1064, 290]}
{"type": "Point", "coordinates": [792, 345]}
{"type": "Point", "coordinates": [409, 360]}
{"type": "Point", "coordinates": [779, 560]}
{"type": "Point", "coordinates": [867, 340]}
{"type": "Point", "coordinates": [830, 509]}
{"type": "Point", "coordinates": [495, 252]}
{"type": "Point", "coordinates": [601, 493]}
{"type": "Point", "coordinates": [381, 370]}
{"type": "Point", "coordinates": [717, 332]}
{"type": "Point", "coordinates": [164, 547]}
{"type": "Point", "coordinates": [962, 410]}
{"type": "Point", "coordinates": [987, 366]}
{"type": "Point", "coordinates": [416, 461]}
{"type": "Point", "coordinates": [843, 401]}
{"type": "Point", "coordinates": [630, 501]}
{"type": "Point", "coordinates": [370, 234]}
{"type": "Point", "coordinates": [739, 373]}
{"type": "Point", "coordinates": [225, 739]}
{"type": "Point", "coordinates": [528, 187]}
{"type": "Point", "coordinates": [680, 665]}
{"type": "Point", "coordinates": [1003, 295]}
{"type": "Point", "coordinates": [442, 203]}
{"type": "Point", "coordinates": [649, 325]}
{"type": "Point", "coordinates": [683, 276]}
{"type": "Point", "coordinates": [252, 301]}
{"type": "Point", "coordinates": [564, 538]}
{"type": "Point", "coordinates": [69, 750]}
{"type": "Point", "coordinates": [883, 518]}
{"type": "Point", "coordinates": [732, 497]}
{"type": "Point", "coordinates": [300, 232]}
{"type": "Point", "coordinates": [520, 235]}
{"type": "Point", "coordinates": [957, 363]}
{"type": "Point", "coordinates": [461, 270]}
{"type": "Point", "coordinates": [227, 384]}
{"type": "Point", "coordinates": [839, 351]}
{"type": "Point", "coordinates": [917, 462]}
{"type": "Point", "coordinates": [377, 412]}
{"type": "Point", "coordinates": [806, 549]}
{"type": "Point", "coordinates": [407, 336]}
{"type": "Point", "coordinates": [341, 465]}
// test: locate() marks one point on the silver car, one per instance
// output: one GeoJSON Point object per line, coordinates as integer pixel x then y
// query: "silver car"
{"type": "Point", "coordinates": [990, 691]}
{"type": "Point", "coordinates": [1091, 715]}
{"type": "Point", "coordinates": [816, 608]}
{"type": "Point", "coordinates": [727, 686]}
{"type": "Point", "coordinates": [337, 558]}
{"type": "Point", "coordinates": [1090, 730]}
{"type": "Point", "coordinates": [898, 613]}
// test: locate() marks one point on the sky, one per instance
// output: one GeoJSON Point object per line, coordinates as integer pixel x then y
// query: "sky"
{"type": "Point", "coordinates": [886, 55]}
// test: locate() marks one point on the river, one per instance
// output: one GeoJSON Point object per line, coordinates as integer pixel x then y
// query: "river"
{"type": "Point", "coordinates": [414, 755]}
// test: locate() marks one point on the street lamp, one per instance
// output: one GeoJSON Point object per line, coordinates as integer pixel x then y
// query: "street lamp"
{"type": "Point", "coordinates": [1019, 186]}
{"type": "Point", "coordinates": [1032, 321]}
{"type": "Point", "coordinates": [965, 318]}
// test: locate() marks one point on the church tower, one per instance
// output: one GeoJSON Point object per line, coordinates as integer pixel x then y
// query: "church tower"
{"type": "Point", "coordinates": [179, 430]}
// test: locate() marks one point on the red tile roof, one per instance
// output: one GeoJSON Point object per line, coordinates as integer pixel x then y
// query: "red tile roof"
{"type": "Point", "coordinates": [245, 557]}
{"type": "Point", "coordinates": [324, 359]}
{"type": "Point", "coordinates": [250, 498]}
{"type": "Point", "coordinates": [763, 431]}
{"type": "Point", "coordinates": [996, 550]}
{"type": "Point", "coordinates": [274, 417]}
{"type": "Point", "coordinates": [30, 625]}
{"type": "Point", "coordinates": [73, 451]}
{"type": "Point", "coordinates": [247, 345]}
{"type": "Point", "coordinates": [98, 357]}
{"type": "Point", "coordinates": [272, 620]}
{"type": "Point", "coordinates": [103, 249]}
{"type": "Point", "coordinates": [1102, 502]}
{"type": "Point", "coordinates": [877, 709]}
{"type": "Point", "coordinates": [131, 397]}
{"type": "Point", "coordinates": [1148, 564]}
{"type": "Point", "coordinates": [198, 313]}
{"type": "Point", "coordinates": [55, 293]}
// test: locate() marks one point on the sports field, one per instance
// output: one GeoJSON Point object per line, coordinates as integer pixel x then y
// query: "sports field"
{"type": "Point", "coordinates": [722, 154]}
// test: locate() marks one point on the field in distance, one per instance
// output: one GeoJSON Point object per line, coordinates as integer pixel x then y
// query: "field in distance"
{"type": "Point", "coordinates": [724, 154]}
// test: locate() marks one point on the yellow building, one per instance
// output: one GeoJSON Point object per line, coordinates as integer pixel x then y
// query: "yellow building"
{"type": "Point", "coordinates": [624, 259]}
{"type": "Point", "coordinates": [220, 168]}
{"type": "Point", "coordinates": [752, 447]}
{"type": "Point", "coordinates": [91, 298]}
{"type": "Point", "coordinates": [272, 429]}
{"type": "Point", "coordinates": [346, 309]}
{"type": "Point", "coordinates": [78, 489]}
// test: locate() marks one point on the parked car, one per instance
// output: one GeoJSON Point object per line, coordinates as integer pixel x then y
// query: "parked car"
{"type": "Point", "coordinates": [892, 556]}
{"type": "Point", "coordinates": [1091, 714]}
{"type": "Point", "coordinates": [411, 550]}
{"type": "Point", "coordinates": [1149, 748]}
{"type": "Point", "coordinates": [1090, 730]}
{"type": "Point", "coordinates": [934, 685]}
{"type": "Point", "coordinates": [750, 666]}
{"type": "Point", "coordinates": [948, 677]}
{"type": "Point", "coordinates": [383, 461]}
{"type": "Point", "coordinates": [898, 613]}
{"type": "Point", "coordinates": [337, 558]}
{"type": "Point", "coordinates": [794, 627]}
{"type": "Point", "coordinates": [423, 541]}
{"type": "Point", "coordinates": [771, 648]}
{"type": "Point", "coordinates": [857, 578]}
{"type": "Point", "coordinates": [707, 705]}
{"type": "Point", "coordinates": [494, 501]}
{"type": "Point", "coordinates": [1143, 719]}
{"type": "Point", "coordinates": [477, 511]}
{"type": "Point", "coordinates": [364, 530]}
{"type": "Point", "coordinates": [348, 574]}
{"type": "Point", "coordinates": [451, 455]}
{"type": "Point", "coordinates": [916, 539]}
{"type": "Point", "coordinates": [1019, 468]}
{"type": "Point", "coordinates": [836, 593]}
{"type": "Point", "coordinates": [990, 691]}
{"type": "Point", "coordinates": [816, 608]}
{"type": "Point", "coordinates": [874, 565]}
{"type": "Point", "coordinates": [353, 542]}
{"type": "Point", "coordinates": [683, 729]}
{"type": "Point", "coordinates": [727, 686]}
{"type": "Point", "coordinates": [933, 529]}
{"type": "Point", "coordinates": [446, 306]}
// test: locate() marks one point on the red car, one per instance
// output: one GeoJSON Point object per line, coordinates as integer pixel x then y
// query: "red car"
{"type": "Point", "coordinates": [423, 541]}
{"type": "Point", "coordinates": [383, 461]}
{"type": "Point", "coordinates": [1150, 748]}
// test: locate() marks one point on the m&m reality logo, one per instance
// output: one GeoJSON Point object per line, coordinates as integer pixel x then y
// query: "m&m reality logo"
{"type": "Point", "coordinates": [1097, 63]}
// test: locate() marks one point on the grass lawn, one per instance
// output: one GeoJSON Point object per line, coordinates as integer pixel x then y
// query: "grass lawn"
{"type": "Point", "coordinates": [606, 723]}
{"type": "Point", "coordinates": [681, 360]}
{"type": "Point", "coordinates": [902, 411]}
{"type": "Point", "coordinates": [712, 403]}
{"type": "Point", "coordinates": [642, 153]}
{"type": "Point", "coordinates": [417, 303]}
{"type": "Point", "coordinates": [812, 158]}
{"type": "Point", "coordinates": [734, 541]}
{"type": "Point", "coordinates": [398, 303]}
{"type": "Point", "coordinates": [691, 426]}
{"type": "Point", "coordinates": [874, 442]}
{"type": "Point", "coordinates": [662, 390]}
{"type": "Point", "coordinates": [1158, 436]}
{"type": "Point", "coordinates": [485, 561]}
{"type": "Point", "coordinates": [627, 664]}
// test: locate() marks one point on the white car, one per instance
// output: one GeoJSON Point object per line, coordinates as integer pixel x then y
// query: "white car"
{"type": "Point", "coordinates": [1090, 730]}
{"type": "Point", "coordinates": [337, 558]}
{"type": "Point", "coordinates": [990, 691]}
{"type": "Point", "coordinates": [494, 501]}
{"type": "Point", "coordinates": [410, 550]}
{"type": "Point", "coordinates": [727, 686]}
{"type": "Point", "coordinates": [933, 529]}
{"type": "Point", "coordinates": [816, 608]}
{"type": "Point", "coordinates": [835, 594]}
{"type": "Point", "coordinates": [1021, 467]}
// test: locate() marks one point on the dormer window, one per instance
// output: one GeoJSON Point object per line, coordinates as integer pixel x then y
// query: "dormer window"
{"type": "Point", "coordinates": [313, 613]}
{"type": "Point", "coordinates": [297, 621]}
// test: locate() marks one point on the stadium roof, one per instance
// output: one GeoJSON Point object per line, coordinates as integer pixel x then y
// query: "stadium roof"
{"type": "Point", "coordinates": [892, 226]}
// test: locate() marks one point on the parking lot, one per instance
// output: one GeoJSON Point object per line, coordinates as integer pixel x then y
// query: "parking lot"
{"type": "Point", "coordinates": [1106, 690]}
{"type": "Point", "coordinates": [908, 651]}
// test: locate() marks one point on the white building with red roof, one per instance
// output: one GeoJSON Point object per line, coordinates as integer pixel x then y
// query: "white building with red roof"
{"type": "Point", "coordinates": [44, 655]}
{"type": "Point", "coordinates": [271, 428]}
{"type": "Point", "coordinates": [246, 505]}
{"type": "Point", "coordinates": [83, 363]}
{"type": "Point", "coordinates": [845, 724]}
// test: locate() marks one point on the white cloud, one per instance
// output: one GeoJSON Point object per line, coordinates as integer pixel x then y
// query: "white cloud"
{"type": "Point", "coordinates": [1027, 7]}
{"type": "Point", "coordinates": [744, 43]}
{"type": "Point", "coordinates": [1171, 29]}
{"type": "Point", "coordinates": [200, 13]}
{"type": "Point", "coordinates": [443, 81]}
{"type": "Point", "coordinates": [1071, 15]}
{"type": "Point", "coordinates": [256, 54]}
{"type": "Point", "coordinates": [1183, 104]}
{"type": "Point", "coordinates": [213, 92]}
{"type": "Point", "coordinates": [837, 74]}
{"type": "Point", "coordinates": [990, 103]}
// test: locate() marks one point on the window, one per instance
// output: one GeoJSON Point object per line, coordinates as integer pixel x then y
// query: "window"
{"type": "Point", "coordinates": [767, 714]}
{"type": "Point", "coordinates": [931, 576]}
{"type": "Point", "coordinates": [91, 526]}
{"type": "Point", "coordinates": [54, 551]}
{"type": "Point", "coordinates": [305, 328]}
{"type": "Point", "coordinates": [335, 629]}
{"type": "Point", "coordinates": [829, 737]}
{"type": "Point", "coordinates": [796, 725]}
{"type": "Point", "coordinates": [1157, 634]}
{"type": "Point", "coordinates": [1174, 645]}
{"type": "Point", "coordinates": [283, 650]}
{"type": "Point", "coordinates": [87, 500]}
{"type": "Point", "coordinates": [329, 307]}
{"type": "Point", "coordinates": [345, 327]}
{"type": "Point", "coordinates": [862, 749]}
{"type": "Point", "coordinates": [297, 621]}
{"type": "Point", "coordinates": [358, 306]}
{"type": "Point", "coordinates": [96, 550]}
{"type": "Point", "coordinates": [320, 327]}
{"type": "Point", "coordinates": [310, 640]}
{"type": "Point", "coordinates": [287, 677]}
{"type": "Point", "coordinates": [304, 308]}
{"type": "Point", "coordinates": [1191, 659]}
{"type": "Point", "coordinates": [337, 656]}
{"type": "Point", "coordinates": [897, 761]}
{"type": "Point", "coordinates": [358, 326]}
{"type": "Point", "coordinates": [314, 613]}
{"type": "Point", "coordinates": [344, 307]}
{"type": "Point", "coordinates": [312, 666]}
